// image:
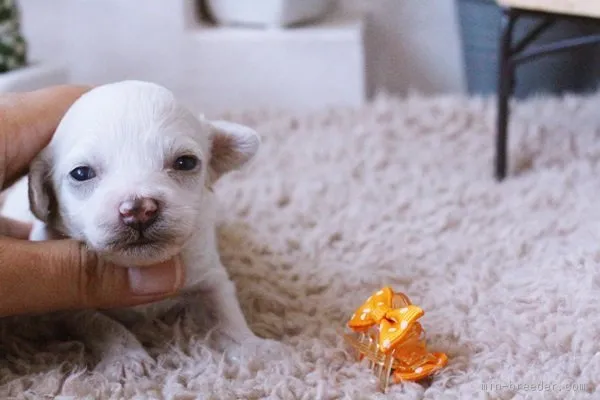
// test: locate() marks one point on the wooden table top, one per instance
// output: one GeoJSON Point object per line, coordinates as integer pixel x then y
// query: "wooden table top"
{"type": "Point", "coordinates": [583, 8]}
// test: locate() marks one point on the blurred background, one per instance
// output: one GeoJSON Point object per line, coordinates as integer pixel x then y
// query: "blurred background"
{"type": "Point", "coordinates": [295, 54]}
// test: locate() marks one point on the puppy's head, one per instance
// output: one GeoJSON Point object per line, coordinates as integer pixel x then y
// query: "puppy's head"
{"type": "Point", "coordinates": [129, 170]}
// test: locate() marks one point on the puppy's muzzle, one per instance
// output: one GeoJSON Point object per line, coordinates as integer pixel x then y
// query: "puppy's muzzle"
{"type": "Point", "coordinates": [142, 224]}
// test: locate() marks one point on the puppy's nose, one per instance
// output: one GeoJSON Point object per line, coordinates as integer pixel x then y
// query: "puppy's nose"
{"type": "Point", "coordinates": [139, 213]}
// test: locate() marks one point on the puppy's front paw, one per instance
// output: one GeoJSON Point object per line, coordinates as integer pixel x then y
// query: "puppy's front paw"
{"type": "Point", "coordinates": [125, 365]}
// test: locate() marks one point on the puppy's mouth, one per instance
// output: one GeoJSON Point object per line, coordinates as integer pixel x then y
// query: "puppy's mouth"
{"type": "Point", "coordinates": [127, 240]}
{"type": "Point", "coordinates": [142, 241]}
{"type": "Point", "coordinates": [141, 249]}
{"type": "Point", "coordinates": [128, 246]}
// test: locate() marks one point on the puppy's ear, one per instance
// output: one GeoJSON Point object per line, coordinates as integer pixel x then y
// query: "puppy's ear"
{"type": "Point", "coordinates": [231, 147]}
{"type": "Point", "coordinates": [42, 198]}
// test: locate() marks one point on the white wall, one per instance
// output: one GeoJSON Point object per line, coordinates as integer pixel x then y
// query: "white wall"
{"type": "Point", "coordinates": [104, 40]}
{"type": "Point", "coordinates": [411, 44]}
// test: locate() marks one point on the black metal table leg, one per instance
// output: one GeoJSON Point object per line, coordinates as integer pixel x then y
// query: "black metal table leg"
{"type": "Point", "coordinates": [506, 78]}
{"type": "Point", "coordinates": [510, 55]}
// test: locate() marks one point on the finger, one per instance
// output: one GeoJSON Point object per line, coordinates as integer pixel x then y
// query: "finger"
{"type": "Point", "coordinates": [14, 228]}
{"type": "Point", "coordinates": [27, 123]}
{"type": "Point", "coordinates": [38, 277]}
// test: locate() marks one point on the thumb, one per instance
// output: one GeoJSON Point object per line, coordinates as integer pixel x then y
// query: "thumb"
{"type": "Point", "coordinates": [38, 277]}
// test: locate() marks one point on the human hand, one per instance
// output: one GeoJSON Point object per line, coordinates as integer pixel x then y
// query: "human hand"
{"type": "Point", "coordinates": [55, 275]}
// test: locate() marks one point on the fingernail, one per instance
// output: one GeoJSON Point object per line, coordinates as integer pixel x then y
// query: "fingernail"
{"type": "Point", "coordinates": [160, 279]}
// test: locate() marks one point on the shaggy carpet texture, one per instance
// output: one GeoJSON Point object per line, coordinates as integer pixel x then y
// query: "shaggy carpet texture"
{"type": "Point", "coordinates": [400, 192]}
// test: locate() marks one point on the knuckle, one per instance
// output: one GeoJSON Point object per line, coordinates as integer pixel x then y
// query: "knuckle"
{"type": "Point", "coordinates": [88, 276]}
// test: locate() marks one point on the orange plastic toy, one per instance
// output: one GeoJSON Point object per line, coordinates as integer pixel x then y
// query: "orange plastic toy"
{"type": "Point", "coordinates": [386, 332]}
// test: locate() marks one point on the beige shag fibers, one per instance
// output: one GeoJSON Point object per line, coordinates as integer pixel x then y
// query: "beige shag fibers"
{"type": "Point", "coordinates": [401, 193]}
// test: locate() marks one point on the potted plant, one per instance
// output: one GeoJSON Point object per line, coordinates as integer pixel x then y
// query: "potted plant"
{"type": "Point", "coordinates": [17, 72]}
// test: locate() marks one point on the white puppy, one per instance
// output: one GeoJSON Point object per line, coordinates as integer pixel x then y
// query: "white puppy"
{"type": "Point", "coordinates": [129, 172]}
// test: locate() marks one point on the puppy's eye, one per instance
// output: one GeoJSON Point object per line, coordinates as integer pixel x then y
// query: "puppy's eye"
{"type": "Point", "coordinates": [185, 163]}
{"type": "Point", "coordinates": [82, 173]}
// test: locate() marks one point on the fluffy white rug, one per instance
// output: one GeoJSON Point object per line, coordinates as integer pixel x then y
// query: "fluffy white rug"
{"type": "Point", "coordinates": [400, 193]}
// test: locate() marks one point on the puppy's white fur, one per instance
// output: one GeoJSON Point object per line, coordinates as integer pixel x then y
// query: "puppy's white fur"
{"type": "Point", "coordinates": [130, 133]}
